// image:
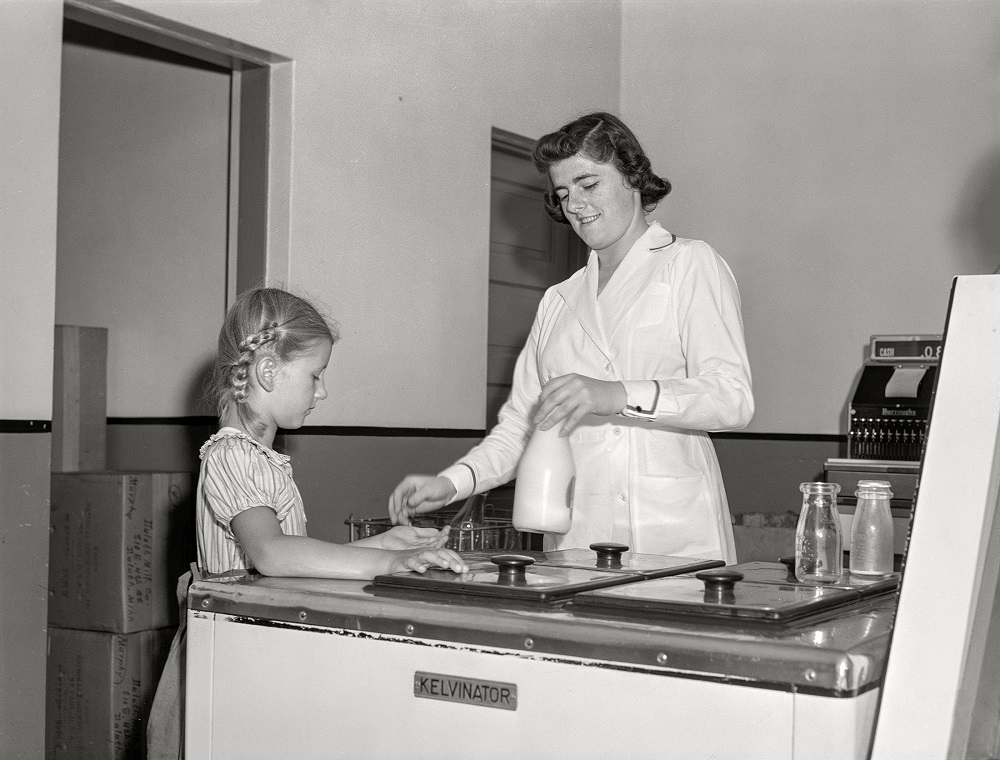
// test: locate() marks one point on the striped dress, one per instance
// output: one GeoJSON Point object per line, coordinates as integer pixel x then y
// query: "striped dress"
{"type": "Point", "coordinates": [238, 473]}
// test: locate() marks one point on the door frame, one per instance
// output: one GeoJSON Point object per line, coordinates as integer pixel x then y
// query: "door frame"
{"type": "Point", "coordinates": [258, 230]}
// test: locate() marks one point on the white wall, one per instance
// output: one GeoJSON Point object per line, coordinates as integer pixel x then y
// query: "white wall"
{"type": "Point", "coordinates": [29, 139]}
{"type": "Point", "coordinates": [393, 106]}
{"type": "Point", "coordinates": [143, 192]}
{"type": "Point", "coordinates": [843, 157]}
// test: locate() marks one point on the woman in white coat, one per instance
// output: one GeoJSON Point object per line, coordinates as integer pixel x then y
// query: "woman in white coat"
{"type": "Point", "coordinates": [635, 357]}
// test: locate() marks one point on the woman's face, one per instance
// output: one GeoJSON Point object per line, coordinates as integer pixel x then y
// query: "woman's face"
{"type": "Point", "coordinates": [598, 203]}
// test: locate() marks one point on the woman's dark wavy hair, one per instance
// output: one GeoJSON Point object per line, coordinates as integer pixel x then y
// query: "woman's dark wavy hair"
{"type": "Point", "coordinates": [603, 138]}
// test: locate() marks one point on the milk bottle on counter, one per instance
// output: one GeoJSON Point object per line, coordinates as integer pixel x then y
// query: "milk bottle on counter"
{"type": "Point", "coordinates": [819, 548]}
{"type": "Point", "coordinates": [543, 490]}
{"type": "Point", "coordinates": [871, 531]}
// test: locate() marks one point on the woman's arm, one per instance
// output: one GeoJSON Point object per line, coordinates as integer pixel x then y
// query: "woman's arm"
{"type": "Point", "coordinates": [271, 552]}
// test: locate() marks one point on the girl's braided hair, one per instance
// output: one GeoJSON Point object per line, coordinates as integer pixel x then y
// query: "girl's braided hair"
{"type": "Point", "coordinates": [262, 321]}
{"type": "Point", "coordinates": [602, 138]}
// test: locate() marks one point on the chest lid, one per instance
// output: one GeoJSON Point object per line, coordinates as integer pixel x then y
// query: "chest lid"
{"type": "Point", "coordinates": [614, 557]}
{"type": "Point", "coordinates": [719, 594]}
{"type": "Point", "coordinates": [505, 576]}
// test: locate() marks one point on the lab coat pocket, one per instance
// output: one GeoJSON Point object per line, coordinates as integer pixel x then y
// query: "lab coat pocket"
{"type": "Point", "coordinates": [669, 454]}
{"type": "Point", "coordinates": [674, 516]}
{"type": "Point", "coordinates": [590, 458]}
{"type": "Point", "coordinates": [654, 335]}
{"type": "Point", "coordinates": [653, 306]}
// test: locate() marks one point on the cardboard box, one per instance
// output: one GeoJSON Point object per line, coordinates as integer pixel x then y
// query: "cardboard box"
{"type": "Point", "coordinates": [80, 399]}
{"type": "Point", "coordinates": [118, 542]}
{"type": "Point", "coordinates": [99, 688]}
{"type": "Point", "coordinates": [763, 544]}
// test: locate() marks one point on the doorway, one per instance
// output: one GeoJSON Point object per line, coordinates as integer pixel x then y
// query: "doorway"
{"type": "Point", "coordinates": [528, 253]}
{"type": "Point", "coordinates": [173, 185]}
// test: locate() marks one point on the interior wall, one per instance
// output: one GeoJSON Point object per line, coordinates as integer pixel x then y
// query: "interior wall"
{"type": "Point", "coordinates": [29, 126]}
{"type": "Point", "coordinates": [844, 158]}
{"type": "Point", "coordinates": [394, 103]}
{"type": "Point", "coordinates": [143, 212]}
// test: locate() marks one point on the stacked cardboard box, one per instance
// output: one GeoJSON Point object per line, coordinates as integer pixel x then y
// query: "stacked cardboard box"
{"type": "Point", "coordinates": [118, 542]}
{"type": "Point", "coordinates": [99, 688]}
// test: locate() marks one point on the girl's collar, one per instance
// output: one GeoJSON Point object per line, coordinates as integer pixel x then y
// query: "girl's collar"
{"type": "Point", "coordinates": [226, 432]}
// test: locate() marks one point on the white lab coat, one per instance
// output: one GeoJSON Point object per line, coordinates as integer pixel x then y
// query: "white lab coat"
{"type": "Point", "coordinates": [670, 313]}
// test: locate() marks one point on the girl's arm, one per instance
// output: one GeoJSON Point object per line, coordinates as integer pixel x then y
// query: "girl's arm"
{"type": "Point", "coordinates": [271, 552]}
{"type": "Point", "coordinates": [406, 537]}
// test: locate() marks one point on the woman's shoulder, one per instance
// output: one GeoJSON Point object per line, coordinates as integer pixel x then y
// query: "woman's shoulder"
{"type": "Point", "coordinates": [684, 253]}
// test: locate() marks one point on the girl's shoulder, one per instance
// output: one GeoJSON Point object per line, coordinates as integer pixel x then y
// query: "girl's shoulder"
{"type": "Point", "coordinates": [232, 441]}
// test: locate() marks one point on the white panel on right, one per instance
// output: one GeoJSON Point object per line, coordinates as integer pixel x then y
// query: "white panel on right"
{"type": "Point", "coordinates": [935, 669]}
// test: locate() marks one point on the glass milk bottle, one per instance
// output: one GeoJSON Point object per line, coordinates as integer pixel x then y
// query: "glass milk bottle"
{"type": "Point", "coordinates": [871, 531]}
{"type": "Point", "coordinates": [819, 549]}
{"type": "Point", "coordinates": [543, 491]}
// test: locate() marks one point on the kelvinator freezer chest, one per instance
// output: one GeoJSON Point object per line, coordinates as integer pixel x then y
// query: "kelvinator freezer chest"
{"type": "Point", "coordinates": [564, 654]}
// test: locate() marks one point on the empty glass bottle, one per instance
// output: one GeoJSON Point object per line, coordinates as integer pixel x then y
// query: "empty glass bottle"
{"type": "Point", "coordinates": [871, 531]}
{"type": "Point", "coordinates": [819, 546]}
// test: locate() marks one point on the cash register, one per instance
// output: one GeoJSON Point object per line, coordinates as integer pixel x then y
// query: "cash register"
{"type": "Point", "coordinates": [887, 423]}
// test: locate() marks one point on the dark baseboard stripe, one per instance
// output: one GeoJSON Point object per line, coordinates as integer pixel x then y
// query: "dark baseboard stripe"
{"type": "Point", "coordinates": [804, 437]}
{"type": "Point", "coordinates": [400, 432]}
{"type": "Point", "coordinates": [25, 426]}
{"type": "Point", "coordinates": [341, 430]}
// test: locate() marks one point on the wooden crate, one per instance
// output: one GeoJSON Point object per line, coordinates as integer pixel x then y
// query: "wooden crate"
{"type": "Point", "coordinates": [80, 399]}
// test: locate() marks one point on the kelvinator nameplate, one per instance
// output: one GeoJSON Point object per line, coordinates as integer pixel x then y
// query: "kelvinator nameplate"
{"type": "Point", "coordinates": [468, 691]}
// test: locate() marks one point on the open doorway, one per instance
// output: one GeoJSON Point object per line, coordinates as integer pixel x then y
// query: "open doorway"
{"type": "Point", "coordinates": [173, 198]}
{"type": "Point", "coordinates": [528, 253]}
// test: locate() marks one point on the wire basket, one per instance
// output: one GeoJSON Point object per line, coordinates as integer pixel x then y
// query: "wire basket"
{"type": "Point", "coordinates": [493, 532]}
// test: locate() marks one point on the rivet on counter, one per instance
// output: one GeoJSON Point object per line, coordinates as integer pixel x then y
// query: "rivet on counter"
{"type": "Point", "coordinates": [529, 643]}
{"type": "Point", "coordinates": [662, 658]}
{"type": "Point", "coordinates": [410, 629]}
{"type": "Point", "coordinates": [303, 615]}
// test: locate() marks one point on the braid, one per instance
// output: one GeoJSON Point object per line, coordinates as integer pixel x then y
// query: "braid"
{"type": "Point", "coordinates": [261, 320]}
{"type": "Point", "coordinates": [240, 372]}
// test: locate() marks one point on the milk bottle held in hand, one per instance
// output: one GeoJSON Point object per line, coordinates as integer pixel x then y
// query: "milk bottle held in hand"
{"type": "Point", "coordinates": [543, 491]}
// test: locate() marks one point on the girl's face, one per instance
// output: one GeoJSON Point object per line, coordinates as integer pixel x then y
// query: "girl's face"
{"type": "Point", "coordinates": [299, 386]}
{"type": "Point", "coordinates": [598, 203]}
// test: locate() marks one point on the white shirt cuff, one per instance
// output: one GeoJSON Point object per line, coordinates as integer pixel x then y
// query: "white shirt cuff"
{"type": "Point", "coordinates": [641, 397]}
{"type": "Point", "coordinates": [462, 477]}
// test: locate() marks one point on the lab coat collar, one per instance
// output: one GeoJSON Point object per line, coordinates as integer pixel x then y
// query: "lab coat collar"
{"type": "Point", "coordinates": [621, 292]}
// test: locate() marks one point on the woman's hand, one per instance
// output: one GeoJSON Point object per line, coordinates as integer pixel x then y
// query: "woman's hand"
{"type": "Point", "coordinates": [419, 560]}
{"type": "Point", "coordinates": [407, 537]}
{"type": "Point", "coordinates": [569, 398]}
{"type": "Point", "coordinates": [418, 494]}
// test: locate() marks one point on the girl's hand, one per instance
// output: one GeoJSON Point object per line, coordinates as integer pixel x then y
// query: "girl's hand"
{"type": "Point", "coordinates": [419, 560]}
{"type": "Point", "coordinates": [569, 398]}
{"type": "Point", "coordinates": [410, 537]}
{"type": "Point", "coordinates": [418, 494]}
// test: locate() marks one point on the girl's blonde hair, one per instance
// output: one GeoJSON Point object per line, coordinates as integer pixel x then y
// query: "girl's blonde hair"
{"type": "Point", "coordinates": [262, 321]}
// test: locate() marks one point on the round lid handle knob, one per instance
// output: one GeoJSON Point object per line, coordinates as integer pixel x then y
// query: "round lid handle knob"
{"type": "Point", "coordinates": [511, 567]}
{"type": "Point", "coordinates": [719, 579]}
{"type": "Point", "coordinates": [609, 550]}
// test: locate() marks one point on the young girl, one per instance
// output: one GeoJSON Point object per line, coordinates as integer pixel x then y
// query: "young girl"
{"type": "Point", "coordinates": [273, 351]}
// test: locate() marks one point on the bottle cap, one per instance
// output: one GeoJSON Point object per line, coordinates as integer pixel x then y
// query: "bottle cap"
{"type": "Point", "coordinates": [871, 488]}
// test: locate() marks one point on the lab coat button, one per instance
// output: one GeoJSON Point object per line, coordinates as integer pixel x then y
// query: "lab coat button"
{"type": "Point", "coordinates": [618, 431]}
